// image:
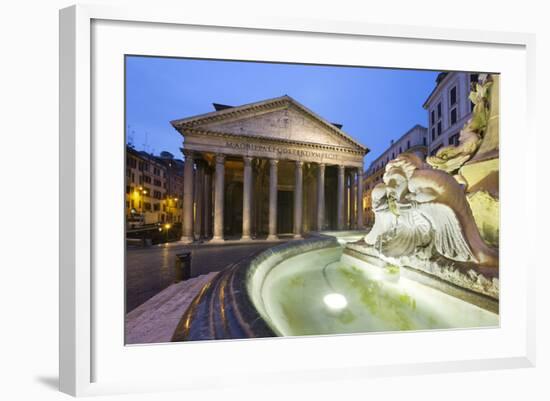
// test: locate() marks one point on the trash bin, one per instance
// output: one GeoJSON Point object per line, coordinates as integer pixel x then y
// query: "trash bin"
{"type": "Point", "coordinates": [182, 266]}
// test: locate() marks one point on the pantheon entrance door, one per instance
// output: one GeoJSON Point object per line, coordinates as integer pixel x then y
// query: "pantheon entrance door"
{"type": "Point", "coordinates": [285, 212]}
{"type": "Point", "coordinates": [233, 216]}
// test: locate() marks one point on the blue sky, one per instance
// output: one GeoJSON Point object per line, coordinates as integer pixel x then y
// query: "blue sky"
{"type": "Point", "coordinates": [374, 105]}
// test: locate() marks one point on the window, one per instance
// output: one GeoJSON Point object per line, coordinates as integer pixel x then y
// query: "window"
{"type": "Point", "coordinates": [453, 96]}
{"type": "Point", "coordinates": [433, 117]}
{"type": "Point", "coordinates": [156, 207]}
{"type": "Point", "coordinates": [439, 128]}
{"type": "Point", "coordinates": [400, 151]}
{"type": "Point", "coordinates": [147, 179]}
{"type": "Point", "coordinates": [157, 183]}
{"type": "Point", "coordinates": [141, 166]}
{"type": "Point", "coordinates": [453, 139]}
{"type": "Point", "coordinates": [128, 190]}
{"type": "Point", "coordinates": [147, 206]}
{"type": "Point", "coordinates": [408, 144]}
{"type": "Point", "coordinates": [131, 162]}
{"type": "Point", "coordinates": [433, 134]}
{"type": "Point", "coordinates": [439, 110]}
{"type": "Point", "coordinates": [424, 141]}
{"type": "Point", "coordinates": [435, 150]}
{"type": "Point", "coordinates": [453, 116]}
{"type": "Point", "coordinates": [156, 171]}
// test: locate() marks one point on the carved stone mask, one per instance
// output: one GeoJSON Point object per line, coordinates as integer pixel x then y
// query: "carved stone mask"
{"type": "Point", "coordinates": [396, 183]}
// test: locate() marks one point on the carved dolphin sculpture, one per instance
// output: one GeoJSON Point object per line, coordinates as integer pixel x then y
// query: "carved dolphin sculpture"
{"type": "Point", "coordinates": [419, 208]}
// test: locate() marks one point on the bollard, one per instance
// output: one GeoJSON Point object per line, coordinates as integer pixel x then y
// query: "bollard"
{"type": "Point", "coordinates": [182, 267]}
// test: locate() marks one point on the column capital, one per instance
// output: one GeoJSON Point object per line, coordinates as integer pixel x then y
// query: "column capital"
{"type": "Point", "coordinates": [341, 169]}
{"type": "Point", "coordinates": [247, 160]}
{"type": "Point", "coordinates": [189, 154]}
{"type": "Point", "coordinates": [273, 162]}
{"type": "Point", "coordinates": [220, 158]}
{"type": "Point", "coordinates": [299, 163]}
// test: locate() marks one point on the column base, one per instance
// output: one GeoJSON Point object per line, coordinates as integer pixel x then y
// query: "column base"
{"type": "Point", "coordinates": [272, 237]}
{"type": "Point", "coordinates": [187, 240]}
{"type": "Point", "coordinates": [216, 240]}
{"type": "Point", "coordinates": [246, 238]}
{"type": "Point", "coordinates": [298, 236]}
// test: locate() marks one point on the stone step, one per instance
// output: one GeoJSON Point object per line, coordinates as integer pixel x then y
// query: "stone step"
{"type": "Point", "coordinates": [155, 320]}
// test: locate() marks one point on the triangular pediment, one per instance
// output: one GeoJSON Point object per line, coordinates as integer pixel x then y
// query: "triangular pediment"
{"type": "Point", "coordinates": [276, 119]}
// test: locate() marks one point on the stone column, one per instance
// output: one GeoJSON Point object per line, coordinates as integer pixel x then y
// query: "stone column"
{"type": "Point", "coordinates": [340, 203]}
{"type": "Point", "coordinates": [346, 199]}
{"type": "Point", "coordinates": [187, 236]}
{"type": "Point", "coordinates": [353, 203]}
{"type": "Point", "coordinates": [218, 198]}
{"type": "Point", "coordinates": [360, 223]}
{"type": "Point", "coordinates": [199, 198]}
{"type": "Point", "coordinates": [321, 197]}
{"type": "Point", "coordinates": [207, 196]}
{"type": "Point", "coordinates": [298, 190]}
{"type": "Point", "coordinates": [272, 199]}
{"type": "Point", "coordinates": [247, 197]}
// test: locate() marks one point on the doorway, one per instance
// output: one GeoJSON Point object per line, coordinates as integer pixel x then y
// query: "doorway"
{"type": "Point", "coordinates": [285, 212]}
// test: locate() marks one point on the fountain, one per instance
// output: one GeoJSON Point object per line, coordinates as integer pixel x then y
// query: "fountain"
{"type": "Point", "coordinates": [429, 262]}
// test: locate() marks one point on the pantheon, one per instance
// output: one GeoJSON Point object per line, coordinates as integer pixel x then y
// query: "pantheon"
{"type": "Point", "coordinates": [268, 169]}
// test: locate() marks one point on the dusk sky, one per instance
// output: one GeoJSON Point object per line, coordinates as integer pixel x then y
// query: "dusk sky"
{"type": "Point", "coordinates": [374, 105]}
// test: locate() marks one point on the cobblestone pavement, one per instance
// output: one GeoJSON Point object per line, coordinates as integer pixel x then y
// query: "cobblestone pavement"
{"type": "Point", "coordinates": [150, 270]}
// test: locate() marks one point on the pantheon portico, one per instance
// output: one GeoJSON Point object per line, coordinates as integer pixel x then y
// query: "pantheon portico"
{"type": "Point", "coordinates": [266, 169]}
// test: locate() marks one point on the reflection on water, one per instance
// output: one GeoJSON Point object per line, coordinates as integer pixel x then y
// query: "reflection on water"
{"type": "Point", "coordinates": [361, 298]}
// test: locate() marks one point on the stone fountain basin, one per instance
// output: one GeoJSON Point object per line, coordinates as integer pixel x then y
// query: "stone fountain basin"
{"type": "Point", "coordinates": [295, 297]}
{"type": "Point", "coordinates": [318, 286]}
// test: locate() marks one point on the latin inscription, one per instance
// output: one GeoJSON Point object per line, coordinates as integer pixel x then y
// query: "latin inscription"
{"type": "Point", "coordinates": [280, 150]}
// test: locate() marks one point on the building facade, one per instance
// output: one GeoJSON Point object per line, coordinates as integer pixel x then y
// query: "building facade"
{"type": "Point", "coordinates": [154, 188]}
{"type": "Point", "coordinates": [414, 140]}
{"type": "Point", "coordinates": [267, 169]}
{"type": "Point", "coordinates": [449, 108]}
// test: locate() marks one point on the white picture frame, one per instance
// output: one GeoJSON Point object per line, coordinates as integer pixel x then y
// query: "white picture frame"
{"type": "Point", "coordinates": [84, 352]}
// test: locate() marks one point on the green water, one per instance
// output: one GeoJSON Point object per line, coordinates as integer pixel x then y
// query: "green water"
{"type": "Point", "coordinates": [293, 295]}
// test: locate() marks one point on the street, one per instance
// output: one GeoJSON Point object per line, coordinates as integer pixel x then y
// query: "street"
{"type": "Point", "coordinates": [150, 270]}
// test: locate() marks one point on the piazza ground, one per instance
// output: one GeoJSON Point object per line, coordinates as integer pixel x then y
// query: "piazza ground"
{"type": "Point", "coordinates": [150, 270]}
